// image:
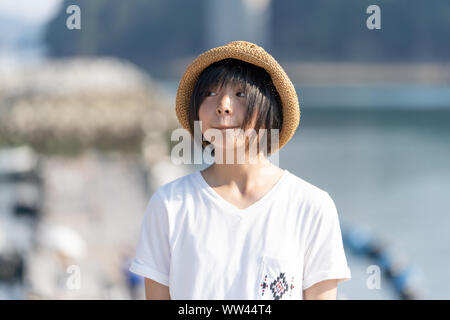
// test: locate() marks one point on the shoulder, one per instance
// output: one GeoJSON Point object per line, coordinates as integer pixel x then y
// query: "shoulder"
{"type": "Point", "coordinates": [312, 202]}
{"type": "Point", "coordinates": [317, 205]}
{"type": "Point", "coordinates": [307, 193]}
{"type": "Point", "coordinates": [171, 195]}
{"type": "Point", "coordinates": [176, 189]}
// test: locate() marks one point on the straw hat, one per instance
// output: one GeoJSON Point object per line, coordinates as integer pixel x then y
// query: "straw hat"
{"type": "Point", "coordinates": [251, 53]}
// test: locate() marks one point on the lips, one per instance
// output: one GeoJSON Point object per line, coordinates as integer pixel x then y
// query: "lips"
{"type": "Point", "coordinates": [226, 127]}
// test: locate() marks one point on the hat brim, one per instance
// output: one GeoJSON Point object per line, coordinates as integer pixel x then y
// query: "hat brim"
{"type": "Point", "coordinates": [251, 53]}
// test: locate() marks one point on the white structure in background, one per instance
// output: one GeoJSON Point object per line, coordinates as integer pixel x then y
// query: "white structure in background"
{"type": "Point", "coordinates": [237, 20]}
{"type": "Point", "coordinates": [19, 160]}
{"type": "Point", "coordinates": [66, 241]}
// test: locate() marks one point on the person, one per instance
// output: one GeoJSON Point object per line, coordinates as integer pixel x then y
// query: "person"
{"type": "Point", "coordinates": [240, 230]}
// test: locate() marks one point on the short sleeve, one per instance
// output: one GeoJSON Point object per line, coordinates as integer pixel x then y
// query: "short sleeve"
{"type": "Point", "coordinates": [324, 255]}
{"type": "Point", "coordinates": [153, 251]}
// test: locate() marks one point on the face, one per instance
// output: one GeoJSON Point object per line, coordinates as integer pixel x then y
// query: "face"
{"type": "Point", "coordinates": [224, 109]}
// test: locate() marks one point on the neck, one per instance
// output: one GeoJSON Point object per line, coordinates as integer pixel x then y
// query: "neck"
{"type": "Point", "coordinates": [244, 176]}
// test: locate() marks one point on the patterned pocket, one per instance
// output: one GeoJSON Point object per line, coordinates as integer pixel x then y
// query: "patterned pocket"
{"type": "Point", "coordinates": [278, 279]}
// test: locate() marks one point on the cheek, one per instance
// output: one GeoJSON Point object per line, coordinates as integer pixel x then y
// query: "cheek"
{"type": "Point", "coordinates": [240, 111]}
{"type": "Point", "coordinates": [202, 112]}
{"type": "Point", "coordinates": [204, 116]}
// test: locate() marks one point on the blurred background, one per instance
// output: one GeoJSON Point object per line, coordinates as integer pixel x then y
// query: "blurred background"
{"type": "Point", "coordinates": [86, 116]}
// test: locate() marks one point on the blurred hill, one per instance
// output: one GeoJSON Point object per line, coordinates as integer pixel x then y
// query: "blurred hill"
{"type": "Point", "coordinates": [148, 33]}
{"type": "Point", "coordinates": [160, 36]}
{"type": "Point", "coordinates": [411, 31]}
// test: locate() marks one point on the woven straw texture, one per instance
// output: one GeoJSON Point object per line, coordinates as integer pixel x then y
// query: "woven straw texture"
{"type": "Point", "coordinates": [251, 53]}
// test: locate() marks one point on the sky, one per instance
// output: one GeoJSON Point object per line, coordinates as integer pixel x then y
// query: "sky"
{"type": "Point", "coordinates": [30, 10]}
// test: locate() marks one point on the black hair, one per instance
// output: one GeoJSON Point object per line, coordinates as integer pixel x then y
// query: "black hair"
{"type": "Point", "coordinates": [263, 100]}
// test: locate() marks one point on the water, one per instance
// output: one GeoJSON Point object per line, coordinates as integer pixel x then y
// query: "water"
{"type": "Point", "coordinates": [377, 95]}
{"type": "Point", "coordinates": [388, 171]}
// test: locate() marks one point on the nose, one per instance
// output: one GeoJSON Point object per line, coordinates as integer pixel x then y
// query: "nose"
{"type": "Point", "coordinates": [224, 108]}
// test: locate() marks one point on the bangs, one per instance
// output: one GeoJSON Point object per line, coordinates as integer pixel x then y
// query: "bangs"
{"type": "Point", "coordinates": [229, 74]}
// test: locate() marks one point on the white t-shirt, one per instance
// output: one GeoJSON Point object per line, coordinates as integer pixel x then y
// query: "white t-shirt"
{"type": "Point", "coordinates": [203, 247]}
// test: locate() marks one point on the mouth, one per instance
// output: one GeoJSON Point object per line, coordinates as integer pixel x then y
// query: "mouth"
{"type": "Point", "coordinates": [226, 127]}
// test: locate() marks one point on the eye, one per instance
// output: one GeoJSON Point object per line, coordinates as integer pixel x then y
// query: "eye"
{"type": "Point", "coordinates": [210, 93]}
{"type": "Point", "coordinates": [240, 94]}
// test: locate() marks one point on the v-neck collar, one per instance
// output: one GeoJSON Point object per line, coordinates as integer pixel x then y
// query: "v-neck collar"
{"type": "Point", "coordinates": [231, 207]}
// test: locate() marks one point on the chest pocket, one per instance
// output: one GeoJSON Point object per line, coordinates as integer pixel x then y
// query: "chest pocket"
{"type": "Point", "coordinates": [279, 279]}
